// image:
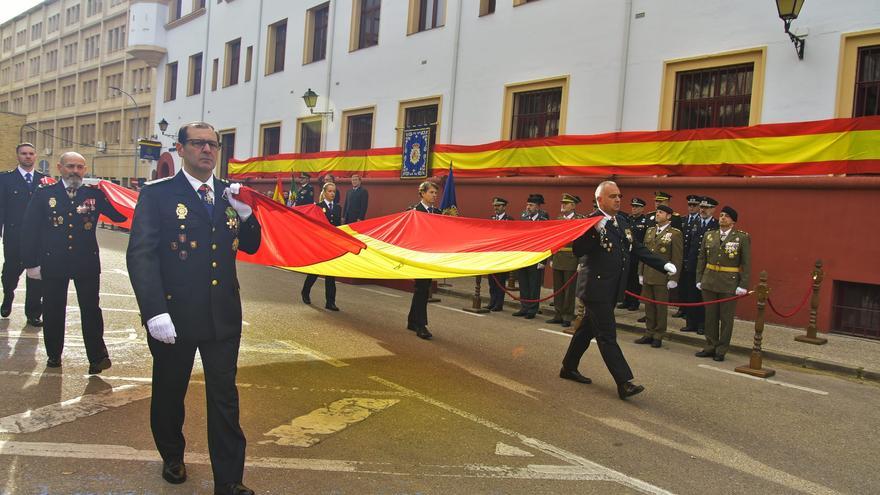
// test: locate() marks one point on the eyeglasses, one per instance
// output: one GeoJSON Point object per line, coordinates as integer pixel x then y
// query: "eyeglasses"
{"type": "Point", "coordinates": [200, 143]}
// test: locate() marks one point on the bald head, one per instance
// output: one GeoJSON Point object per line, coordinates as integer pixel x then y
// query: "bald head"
{"type": "Point", "coordinates": [71, 155]}
{"type": "Point", "coordinates": [72, 168]}
{"type": "Point", "coordinates": [608, 197]}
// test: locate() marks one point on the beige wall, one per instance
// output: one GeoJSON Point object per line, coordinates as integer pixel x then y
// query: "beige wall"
{"type": "Point", "coordinates": [10, 124]}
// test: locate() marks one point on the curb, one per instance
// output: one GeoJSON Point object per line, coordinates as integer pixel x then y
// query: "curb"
{"type": "Point", "coordinates": [783, 357]}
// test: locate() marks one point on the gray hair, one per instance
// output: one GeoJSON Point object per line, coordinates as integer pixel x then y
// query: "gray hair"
{"type": "Point", "coordinates": [602, 185]}
{"type": "Point", "coordinates": [70, 154]}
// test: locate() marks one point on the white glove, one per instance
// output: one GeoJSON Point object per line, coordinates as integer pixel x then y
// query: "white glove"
{"type": "Point", "coordinates": [699, 286]}
{"type": "Point", "coordinates": [540, 266]}
{"type": "Point", "coordinates": [34, 273]}
{"type": "Point", "coordinates": [671, 284]}
{"type": "Point", "coordinates": [601, 224]}
{"type": "Point", "coordinates": [741, 292]}
{"type": "Point", "coordinates": [670, 268]}
{"type": "Point", "coordinates": [162, 328]}
{"type": "Point", "coordinates": [243, 210]}
{"type": "Point", "coordinates": [641, 280]}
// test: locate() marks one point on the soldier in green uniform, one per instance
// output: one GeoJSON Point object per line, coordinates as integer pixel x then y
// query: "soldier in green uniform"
{"type": "Point", "coordinates": [662, 198]}
{"type": "Point", "coordinates": [665, 241]}
{"type": "Point", "coordinates": [564, 264]}
{"type": "Point", "coordinates": [723, 268]}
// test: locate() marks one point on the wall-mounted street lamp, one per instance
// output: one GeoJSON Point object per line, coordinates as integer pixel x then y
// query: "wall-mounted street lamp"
{"type": "Point", "coordinates": [163, 126]}
{"type": "Point", "coordinates": [788, 11]}
{"type": "Point", "coordinates": [311, 99]}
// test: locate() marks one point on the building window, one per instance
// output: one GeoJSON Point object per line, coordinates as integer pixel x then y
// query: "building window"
{"type": "Point", "coordinates": [87, 134]}
{"type": "Point", "coordinates": [194, 85]}
{"type": "Point", "coordinates": [71, 52]}
{"type": "Point", "coordinates": [113, 81]}
{"type": "Point", "coordinates": [248, 63]}
{"type": "Point", "coordinates": [535, 109]}
{"type": "Point", "coordinates": [365, 23]}
{"type": "Point", "coordinates": [867, 87]}
{"type": "Point", "coordinates": [53, 23]}
{"type": "Point", "coordinates": [33, 103]}
{"type": "Point", "coordinates": [856, 309]}
{"type": "Point", "coordinates": [115, 39]}
{"type": "Point", "coordinates": [227, 151]}
{"type": "Point", "coordinates": [92, 47]}
{"type": "Point", "coordinates": [214, 70]}
{"type": "Point", "coordinates": [21, 38]}
{"type": "Point", "coordinates": [7, 43]}
{"type": "Point", "coordinates": [35, 66]}
{"type": "Point", "coordinates": [4, 106]}
{"type": "Point", "coordinates": [90, 91]}
{"type": "Point", "coordinates": [232, 62]}
{"type": "Point", "coordinates": [425, 15]}
{"type": "Point", "coordinates": [418, 113]}
{"type": "Point", "coordinates": [317, 20]}
{"type": "Point", "coordinates": [137, 127]}
{"type": "Point", "coordinates": [309, 135]}
{"type": "Point", "coordinates": [721, 90]}
{"type": "Point", "coordinates": [49, 100]}
{"type": "Point", "coordinates": [270, 139]}
{"type": "Point", "coordinates": [175, 10]}
{"type": "Point", "coordinates": [717, 97]}
{"type": "Point", "coordinates": [111, 131]}
{"type": "Point", "coordinates": [171, 81]}
{"type": "Point", "coordinates": [17, 105]}
{"type": "Point", "coordinates": [68, 95]}
{"type": "Point", "coordinates": [66, 137]}
{"type": "Point", "coordinates": [487, 7]}
{"type": "Point", "coordinates": [36, 31]}
{"type": "Point", "coordinates": [357, 130]}
{"type": "Point", "coordinates": [276, 43]}
{"type": "Point", "coordinates": [72, 15]}
{"type": "Point", "coordinates": [51, 60]}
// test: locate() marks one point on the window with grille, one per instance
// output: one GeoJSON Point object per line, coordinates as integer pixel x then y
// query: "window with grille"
{"type": "Point", "coordinates": [856, 309]}
{"type": "Point", "coordinates": [420, 116]}
{"type": "Point", "coordinates": [360, 132]}
{"type": "Point", "coordinates": [867, 93]}
{"type": "Point", "coordinates": [368, 32]}
{"type": "Point", "coordinates": [715, 97]}
{"type": "Point", "coordinates": [310, 136]}
{"type": "Point", "coordinates": [536, 113]}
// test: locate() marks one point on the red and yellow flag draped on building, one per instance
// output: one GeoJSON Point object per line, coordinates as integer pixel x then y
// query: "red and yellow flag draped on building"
{"type": "Point", "coordinates": [401, 246]}
{"type": "Point", "coordinates": [836, 146]}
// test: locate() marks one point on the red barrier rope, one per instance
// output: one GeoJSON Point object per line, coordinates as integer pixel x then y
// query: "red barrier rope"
{"type": "Point", "coordinates": [796, 310]}
{"type": "Point", "coordinates": [499, 284]}
{"type": "Point", "coordinates": [687, 305]}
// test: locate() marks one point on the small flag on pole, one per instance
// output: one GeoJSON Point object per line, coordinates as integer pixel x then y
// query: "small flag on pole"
{"type": "Point", "coordinates": [448, 204]}
{"type": "Point", "coordinates": [278, 195]}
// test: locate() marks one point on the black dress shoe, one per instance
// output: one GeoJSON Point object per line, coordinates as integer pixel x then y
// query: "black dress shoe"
{"type": "Point", "coordinates": [642, 319]}
{"type": "Point", "coordinates": [705, 354]}
{"type": "Point", "coordinates": [628, 389]}
{"type": "Point", "coordinates": [566, 324]}
{"type": "Point", "coordinates": [554, 320]}
{"type": "Point", "coordinates": [53, 363]}
{"type": "Point", "coordinates": [688, 329]}
{"type": "Point", "coordinates": [646, 339]}
{"type": "Point", "coordinates": [331, 307]}
{"type": "Point", "coordinates": [174, 472]}
{"type": "Point", "coordinates": [100, 366]}
{"type": "Point", "coordinates": [520, 313]}
{"type": "Point", "coordinates": [306, 298]}
{"type": "Point", "coordinates": [622, 306]}
{"type": "Point", "coordinates": [410, 326]}
{"type": "Point", "coordinates": [656, 343]}
{"type": "Point", "coordinates": [678, 314]}
{"type": "Point", "coordinates": [6, 307]}
{"type": "Point", "coordinates": [35, 322]}
{"type": "Point", "coordinates": [233, 489]}
{"type": "Point", "coordinates": [496, 308]}
{"type": "Point", "coordinates": [718, 357]}
{"type": "Point", "coordinates": [530, 316]}
{"type": "Point", "coordinates": [633, 308]}
{"type": "Point", "coordinates": [423, 333]}
{"type": "Point", "coordinates": [700, 331]}
{"type": "Point", "coordinates": [573, 375]}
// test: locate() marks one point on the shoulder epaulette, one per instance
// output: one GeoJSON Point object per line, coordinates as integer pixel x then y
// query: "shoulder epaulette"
{"type": "Point", "coordinates": [157, 181]}
{"type": "Point", "coordinates": [225, 181]}
{"type": "Point", "coordinates": [743, 232]}
{"type": "Point", "coordinates": [675, 229]}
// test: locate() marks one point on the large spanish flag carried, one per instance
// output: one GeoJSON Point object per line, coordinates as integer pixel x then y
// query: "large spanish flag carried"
{"type": "Point", "coordinates": [405, 245]}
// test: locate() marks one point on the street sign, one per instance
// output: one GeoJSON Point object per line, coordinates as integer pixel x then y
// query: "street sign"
{"type": "Point", "coordinates": [149, 150]}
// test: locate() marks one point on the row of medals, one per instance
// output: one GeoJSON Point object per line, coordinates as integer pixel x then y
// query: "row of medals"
{"type": "Point", "coordinates": [59, 220]}
{"type": "Point", "coordinates": [232, 221]}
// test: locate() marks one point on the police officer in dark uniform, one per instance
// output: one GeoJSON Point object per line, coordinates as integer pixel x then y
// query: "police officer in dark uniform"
{"type": "Point", "coordinates": [16, 188]}
{"type": "Point", "coordinates": [58, 245]}
{"type": "Point", "coordinates": [497, 280]}
{"type": "Point", "coordinates": [605, 251]}
{"type": "Point", "coordinates": [186, 233]}
{"type": "Point", "coordinates": [687, 291]}
{"type": "Point", "coordinates": [417, 319]}
{"type": "Point", "coordinates": [305, 194]}
{"type": "Point", "coordinates": [333, 213]}
{"type": "Point", "coordinates": [638, 222]}
{"type": "Point", "coordinates": [696, 315]}
{"type": "Point", "coordinates": [530, 277]}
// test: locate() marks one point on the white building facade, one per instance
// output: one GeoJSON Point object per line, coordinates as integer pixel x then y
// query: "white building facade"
{"type": "Point", "coordinates": [486, 71]}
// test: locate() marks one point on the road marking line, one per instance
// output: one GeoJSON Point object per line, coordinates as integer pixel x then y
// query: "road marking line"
{"type": "Point", "coordinates": [554, 332]}
{"type": "Point", "coordinates": [580, 464]}
{"type": "Point", "coordinates": [309, 429]}
{"type": "Point", "coordinates": [319, 356]}
{"type": "Point", "coordinates": [495, 378]}
{"type": "Point", "coordinates": [67, 411]}
{"type": "Point", "coordinates": [511, 451]}
{"type": "Point", "coordinates": [773, 382]}
{"type": "Point", "coordinates": [458, 310]}
{"type": "Point", "coordinates": [111, 294]}
{"type": "Point", "coordinates": [380, 292]}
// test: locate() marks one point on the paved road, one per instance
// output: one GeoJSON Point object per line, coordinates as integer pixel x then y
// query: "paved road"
{"type": "Point", "coordinates": [353, 403]}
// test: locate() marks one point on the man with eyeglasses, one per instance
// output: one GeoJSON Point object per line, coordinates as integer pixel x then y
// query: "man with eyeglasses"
{"type": "Point", "coordinates": [186, 233]}
{"type": "Point", "coordinates": [16, 188]}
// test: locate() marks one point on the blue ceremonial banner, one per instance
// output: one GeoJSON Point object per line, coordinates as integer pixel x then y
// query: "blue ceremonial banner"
{"type": "Point", "coordinates": [448, 205]}
{"type": "Point", "coordinates": [416, 153]}
{"type": "Point", "coordinates": [149, 150]}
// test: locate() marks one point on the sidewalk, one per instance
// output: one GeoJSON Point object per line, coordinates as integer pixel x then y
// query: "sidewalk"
{"type": "Point", "coordinates": [845, 355]}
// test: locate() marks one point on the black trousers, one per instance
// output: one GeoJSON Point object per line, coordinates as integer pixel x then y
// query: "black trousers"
{"type": "Point", "coordinates": [530, 288]}
{"type": "Point", "coordinates": [598, 323]}
{"type": "Point", "coordinates": [687, 290]}
{"type": "Point", "coordinates": [418, 307]}
{"type": "Point", "coordinates": [695, 315]}
{"type": "Point", "coordinates": [172, 366]}
{"type": "Point", "coordinates": [329, 287]}
{"type": "Point", "coordinates": [12, 269]}
{"type": "Point", "coordinates": [496, 293]}
{"type": "Point", "coordinates": [55, 312]}
{"type": "Point", "coordinates": [632, 284]}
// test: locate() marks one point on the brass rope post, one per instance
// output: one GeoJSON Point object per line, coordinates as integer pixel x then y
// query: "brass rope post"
{"type": "Point", "coordinates": [754, 368]}
{"type": "Point", "coordinates": [810, 337]}
{"type": "Point", "coordinates": [476, 302]}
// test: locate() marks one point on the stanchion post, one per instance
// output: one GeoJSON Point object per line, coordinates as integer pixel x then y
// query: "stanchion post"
{"type": "Point", "coordinates": [511, 281]}
{"type": "Point", "coordinates": [476, 302]}
{"type": "Point", "coordinates": [754, 368]}
{"type": "Point", "coordinates": [810, 337]}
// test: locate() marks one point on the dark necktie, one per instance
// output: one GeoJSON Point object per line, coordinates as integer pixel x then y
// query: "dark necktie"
{"type": "Point", "coordinates": [207, 198]}
{"type": "Point", "coordinates": [30, 180]}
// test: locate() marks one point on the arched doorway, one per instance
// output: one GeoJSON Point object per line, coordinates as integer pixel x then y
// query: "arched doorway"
{"type": "Point", "coordinates": [165, 167]}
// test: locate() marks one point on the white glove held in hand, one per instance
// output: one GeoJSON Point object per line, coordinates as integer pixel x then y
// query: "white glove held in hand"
{"type": "Point", "coordinates": [699, 286]}
{"type": "Point", "coordinates": [670, 268]}
{"type": "Point", "coordinates": [671, 284]}
{"type": "Point", "coordinates": [243, 210]}
{"type": "Point", "coordinates": [34, 273]}
{"type": "Point", "coordinates": [741, 292]}
{"type": "Point", "coordinates": [540, 266]}
{"type": "Point", "coordinates": [162, 328]}
{"type": "Point", "coordinates": [641, 280]}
